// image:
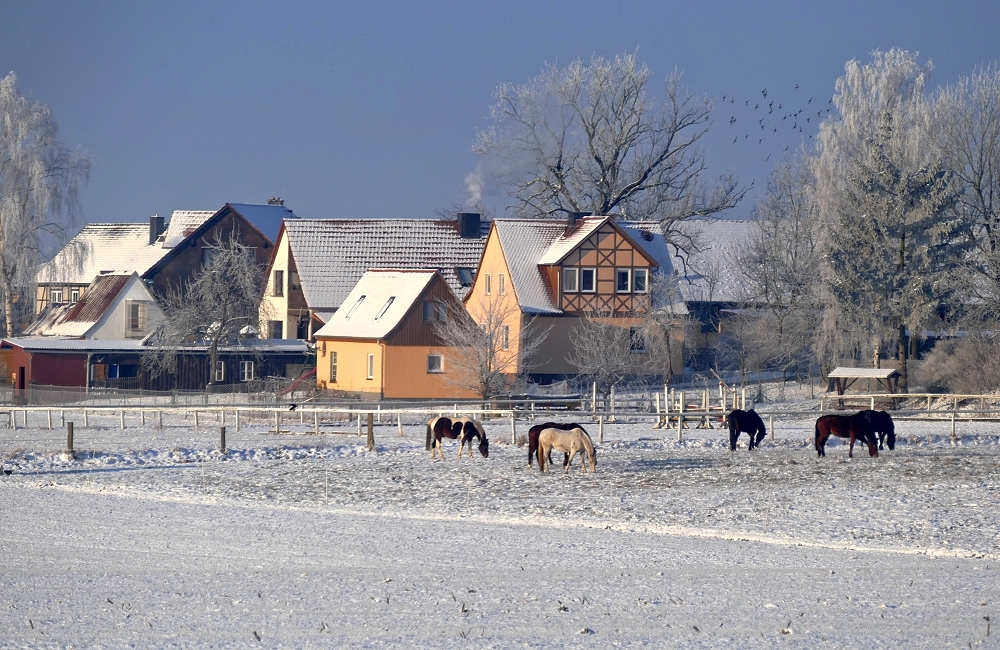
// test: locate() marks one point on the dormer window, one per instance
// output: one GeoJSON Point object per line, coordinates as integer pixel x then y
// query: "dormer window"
{"type": "Point", "coordinates": [385, 307]}
{"type": "Point", "coordinates": [354, 308]}
{"type": "Point", "coordinates": [465, 276]}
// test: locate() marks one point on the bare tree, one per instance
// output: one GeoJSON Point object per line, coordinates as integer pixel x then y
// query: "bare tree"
{"type": "Point", "coordinates": [667, 327]}
{"type": "Point", "coordinates": [484, 354]}
{"type": "Point", "coordinates": [218, 306]}
{"type": "Point", "coordinates": [968, 120]}
{"type": "Point", "coordinates": [589, 137]}
{"type": "Point", "coordinates": [607, 353]}
{"type": "Point", "coordinates": [779, 271]}
{"type": "Point", "coordinates": [40, 179]}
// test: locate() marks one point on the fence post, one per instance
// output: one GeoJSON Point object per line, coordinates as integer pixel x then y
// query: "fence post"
{"type": "Point", "coordinates": [680, 425]}
{"type": "Point", "coordinates": [593, 402]}
{"type": "Point", "coordinates": [48, 412]}
{"type": "Point", "coordinates": [359, 424]}
{"type": "Point", "coordinates": [612, 418]}
{"type": "Point", "coordinates": [513, 428]}
{"type": "Point", "coordinates": [371, 432]}
{"type": "Point", "coordinates": [954, 438]}
{"type": "Point", "coordinates": [600, 429]}
{"type": "Point", "coordinates": [196, 419]}
{"type": "Point", "coordinates": [142, 417]}
{"type": "Point", "coordinates": [659, 422]}
{"type": "Point", "coordinates": [222, 416]}
{"type": "Point", "coordinates": [770, 425]}
{"type": "Point", "coordinates": [399, 423]}
{"type": "Point", "coordinates": [69, 439]}
{"type": "Point", "coordinates": [159, 419]}
{"type": "Point", "coordinates": [12, 419]}
{"type": "Point", "coordinates": [222, 441]}
{"type": "Point", "coordinates": [822, 404]}
{"type": "Point", "coordinates": [872, 407]}
{"type": "Point", "coordinates": [62, 417]}
{"type": "Point", "coordinates": [316, 422]}
{"type": "Point", "coordinates": [277, 422]}
{"type": "Point", "coordinates": [123, 419]}
{"type": "Point", "coordinates": [237, 419]}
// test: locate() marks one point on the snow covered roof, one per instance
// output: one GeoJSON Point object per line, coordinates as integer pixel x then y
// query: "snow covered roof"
{"type": "Point", "coordinates": [863, 373]}
{"type": "Point", "coordinates": [102, 247]}
{"type": "Point", "coordinates": [331, 255]}
{"type": "Point", "coordinates": [183, 223]}
{"type": "Point", "coordinates": [377, 304]}
{"type": "Point", "coordinates": [707, 272]}
{"type": "Point", "coordinates": [54, 343]}
{"type": "Point", "coordinates": [77, 318]}
{"type": "Point", "coordinates": [567, 242]}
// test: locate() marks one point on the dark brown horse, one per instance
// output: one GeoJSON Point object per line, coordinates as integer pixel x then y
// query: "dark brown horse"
{"type": "Point", "coordinates": [855, 427]}
{"type": "Point", "coordinates": [883, 426]}
{"type": "Point", "coordinates": [747, 422]}
{"type": "Point", "coordinates": [533, 438]}
{"type": "Point", "coordinates": [461, 429]}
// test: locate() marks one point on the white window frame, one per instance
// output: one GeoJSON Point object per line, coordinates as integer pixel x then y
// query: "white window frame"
{"type": "Point", "coordinates": [505, 337]}
{"type": "Point", "coordinates": [220, 371]}
{"type": "Point", "coordinates": [435, 368]}
{"type": "Point", "coordinates": [627, 275]}
{"type": "Point", "coordinates": [74, 295]}
{"type": "Point", "coordinates": [501, 285]}
{"type": "Point", "coordinates": [55, 296]}
{"type": "Point", "coordinates": [640, 273]}
{"type": "Point", "coordinates": [487, 285]}
{"type": "Point", "coordinates": [278, 286]}
{"type": "Point", "coordinates": [140, 318]}
{"type": "Point", "coordinates": [592, 271]}
{"type": "Point", "coordinates": [333, 366]}
{"type": "Point", "coordinates": [371, 366]}
{"type": "Point", "coordinates": [574, 285]}
{"type": "Point", "coordinates": [246, 371]}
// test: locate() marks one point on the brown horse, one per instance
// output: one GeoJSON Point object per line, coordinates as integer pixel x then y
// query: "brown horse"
{"type": "Point", "coordinates": [462, 429]}
{"type": "Point", "coordinates": [855, 427]}
{"type": "Point", "coordinates": [533, 438]}
{"type": "Point", "coordinates": [573, 442]}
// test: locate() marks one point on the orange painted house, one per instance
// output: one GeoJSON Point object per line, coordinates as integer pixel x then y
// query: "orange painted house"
{"type": "Point", "coordinates": [381, 343]}
{"type": "Point", "coordinates": [552, 274]}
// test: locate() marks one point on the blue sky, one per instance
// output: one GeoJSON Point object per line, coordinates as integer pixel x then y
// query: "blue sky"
{"type": "Point", "coordinates": [369, 110]}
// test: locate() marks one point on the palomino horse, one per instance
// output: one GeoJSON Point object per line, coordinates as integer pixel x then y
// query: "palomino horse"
{"type": "Point", "coordinates": [533, 438]}
{"type": "Point", "coordinates": [462, 429]}
{"type": "Point", "coordinates": [882, 425]}
{"type": "Point", "coordinates": [571, 442]}
{"type": "Point", "coordinates": [747, 422]}
{"type": "Point", "coordinates": [855, 427]}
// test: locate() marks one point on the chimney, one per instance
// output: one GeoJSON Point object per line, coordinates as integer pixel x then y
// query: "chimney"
{"type": "Point", "coordinates": [155, 228]}
{"type": "Point", "coordinates": [468, 225]}
{"type": "Point", "coordinates": [276, 200]}
{"type": "Point", "coordinates": [573, 217]}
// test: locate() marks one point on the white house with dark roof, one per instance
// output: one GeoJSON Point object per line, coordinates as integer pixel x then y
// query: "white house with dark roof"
{"type": "Point", "coordinates": [116, 305]}
{"type": "Point", "coordinates": [317, 262]}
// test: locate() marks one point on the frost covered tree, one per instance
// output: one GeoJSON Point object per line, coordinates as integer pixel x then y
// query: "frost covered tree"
{"type": "Point", "coordinates": [779, 271]}
{"type": "Point", "coordinates": [217, 306]}
{"type": "Point", "coordinates": [968, 127]}
{"type": "Point", "coordinates": [896, 244]}
{"type": "Point", "coordinates": [607, 353]}
{"type": "Point", "coordinates": [590, 138]}
{"type": "Point", "coordinates": [40, 180]}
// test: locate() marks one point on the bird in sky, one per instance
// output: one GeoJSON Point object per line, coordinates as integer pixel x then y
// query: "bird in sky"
{"type": "Point", "coordinates": [735, 139]}
{"type": "Point", "coordinates": [732, 120]}
{"type": "Point", "coordinates": [764, 92]}
{"type": "Point", "coordinates": [796, 86]}
{"type": "Point", "coordinates": [723, 98]}
{"type": "Point", "coordinates": [810, 101]}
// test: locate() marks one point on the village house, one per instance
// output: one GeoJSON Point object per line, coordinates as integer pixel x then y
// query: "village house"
{"type": "Point", "coordinates": [317, 262]}
{"type": "Point", "coordinates": [382, 343]}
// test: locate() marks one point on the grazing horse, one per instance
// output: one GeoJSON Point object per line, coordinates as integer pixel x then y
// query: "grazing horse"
{"type": "Point", "coordinates": [881, 423]}
{"type": "Point", "coordinates": [855, 427]}
{"type": "Point", "coordinates": [462, 429]}
{"type": "Point", "coordinates": [571, 442]}
{"type": "Point", "coordinates": [747, 422]}
{"type": "Point", "coordinates": [533, 438]}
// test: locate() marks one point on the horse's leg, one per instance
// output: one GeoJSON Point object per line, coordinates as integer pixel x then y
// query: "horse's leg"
{"type": "Point", "coordinates": [541, 455]}
{"type": "Point", "coordinates": [572, 455]}
{"type": "Point", "coordinates": [850, 449]}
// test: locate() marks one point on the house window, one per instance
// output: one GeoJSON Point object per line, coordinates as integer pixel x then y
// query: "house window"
{"type": "Point", "coordinates": [487, 286]}
{"type": "Point", "coordinates": [435, 363]}
{"type": "Point", "coordinates": [636, 340]}
{"type": "Point", "coordinates": [333, 367]}
{"type": "Point", "coordinates": [74, 296]}
{"type": "Point", "coordinates": [355, 307]}
{"type": "Point", "coordinates": [220, 370]}
{"type": "Point", "coordinates": [570, 280]}
{"type": "Point", "coordinates": [501, 285]}
{"type": "Point", "coordinates": [623, 279]}
{"type": "Point", "coordinates": [588, 280]}
{"type": "Point", "coordinates": [465, 276]}
{"type": "Point", "coordinates": [371, 366]}
{"type": "Point", "coordinates": [385, 307]}
{"type": "Point", "coordinates": [442, 312]}
{"type": "Point", "coordinates": [56, 296]}
{"type": "Point", "coordinates": [275, 329]}
{"type": "Point", "coordinates": [279, 284]}
{"type": "Point", "coordinates": [246, 370]}
{"type": "Point", "coordinates": [640, 280]}
{"type": "Point", "coordinates": [208, 254]}
{"type": "Point", "coordinates": [505, 337]}
{"type": "Point", "coordinates": [429, 310]}
{"type": "Point", "coordinates": [136, 322]}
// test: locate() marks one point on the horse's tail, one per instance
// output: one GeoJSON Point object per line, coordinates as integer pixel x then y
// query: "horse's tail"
{"type": "Point", "coordinates": [817, 435]}
{"type": "Point", "coordinates": [427, 444]}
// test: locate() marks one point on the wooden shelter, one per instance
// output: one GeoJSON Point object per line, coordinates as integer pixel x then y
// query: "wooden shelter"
{"type": "Point", "coordinates": [843, 378]}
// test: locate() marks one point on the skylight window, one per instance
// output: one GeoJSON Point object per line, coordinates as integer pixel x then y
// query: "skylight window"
{"type": "Point", "coordinates": [355, 307]}
{"type": "Point", "coordinates": [385, 307]}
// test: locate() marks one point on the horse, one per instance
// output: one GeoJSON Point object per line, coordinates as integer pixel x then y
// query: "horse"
{"type": "Point", "coordinates": [533, 438]}
{"type": "Point", "coordinates": [882, 424]}
{"type": "Point", "coordinates": [571, 442]}
{"type": "Point", "coordinates": [747, 422]}
{"type": "Point", "coordinates": [463, 429]}
{"type": "Point", "coordinates": [845, 426]}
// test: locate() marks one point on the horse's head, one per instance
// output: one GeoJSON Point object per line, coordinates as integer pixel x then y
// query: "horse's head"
{"type": "Point", "coordinates": [484, 448]}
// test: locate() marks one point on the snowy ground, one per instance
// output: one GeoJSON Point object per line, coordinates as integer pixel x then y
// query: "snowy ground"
{"type": "Point", "coordinates": [151, 538]}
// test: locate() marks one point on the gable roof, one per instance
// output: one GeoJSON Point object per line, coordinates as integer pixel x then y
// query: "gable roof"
{"type": "Point", "coordinates": [183, 223]}
{"type": "Point", "coordinates": [267, 218]}
{"type": "Point", "coordinates": [102, 247]}
{"type": "Point", "coordinates": [332, 255]}
{"type": "Point", "coordinates": [78, 318]}
{"type": "Point", "coordinates": [378, 303]}
{"type": "Point", "coordinates": [706, 274]}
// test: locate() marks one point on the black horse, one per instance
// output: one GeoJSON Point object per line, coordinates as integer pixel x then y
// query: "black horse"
{"type": "Point", "coordinates": [747, 422]}
{"type": "Point", "coordinates": [881, 423]}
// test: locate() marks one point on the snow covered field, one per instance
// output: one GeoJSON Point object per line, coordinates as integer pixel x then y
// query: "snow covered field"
{"type": "Point", "coordinates": [151, 538]}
